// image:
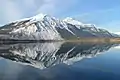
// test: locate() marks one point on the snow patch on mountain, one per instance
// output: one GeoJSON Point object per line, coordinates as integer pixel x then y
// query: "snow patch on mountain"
{"type": "Point", "coordinates": [45, 27]}
{"type": "Point", "coordinates": [38, 17]}
{"type": "Point", "coordinates": [72, 21]}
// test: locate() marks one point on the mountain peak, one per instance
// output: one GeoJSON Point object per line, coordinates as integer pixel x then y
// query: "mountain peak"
{"type": "Point", "coordinates": [39, 17]}
{"type": "Point", "coordinates": [72, 21]}
{"type": "Point", "coordinates": [45, 27]}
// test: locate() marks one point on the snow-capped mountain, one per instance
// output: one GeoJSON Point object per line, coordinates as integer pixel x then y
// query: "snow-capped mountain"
{"type": "Point", "coordinates": [45, 27]}
{"type": "Point", "coordinates": [44, 55]}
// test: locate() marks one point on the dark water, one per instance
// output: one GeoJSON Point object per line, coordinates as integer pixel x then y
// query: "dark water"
{"type": "Point", "coordinates": [60, 61]}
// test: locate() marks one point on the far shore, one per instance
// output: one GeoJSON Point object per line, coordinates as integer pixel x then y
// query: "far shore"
{"type": "Point", "coordinates": [81, 40]}
{"type": "Point", "coordinates": [96, 40]}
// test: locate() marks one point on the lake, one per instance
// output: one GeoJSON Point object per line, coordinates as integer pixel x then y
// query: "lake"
{"type": "Point", "coordinates": [60, 61]}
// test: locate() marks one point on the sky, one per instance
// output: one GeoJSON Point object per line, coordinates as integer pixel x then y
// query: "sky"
{"type": "Point", "coordinates": [103, 13]}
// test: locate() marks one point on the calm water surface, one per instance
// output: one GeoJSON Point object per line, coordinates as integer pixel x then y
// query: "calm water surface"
{"type": "Point", "coordinates": [60, 61]}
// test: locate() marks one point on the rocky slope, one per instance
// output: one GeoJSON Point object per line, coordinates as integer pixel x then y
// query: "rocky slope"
{"type": "Point", "coordinates": [45, 27]}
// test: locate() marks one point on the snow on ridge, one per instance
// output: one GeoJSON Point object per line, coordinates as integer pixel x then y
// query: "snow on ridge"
{"type": "Point", "coordinates": [38, 17]}
{"type": "Point", "coordinates": [38, 27]}
{"type": "Point", "coordinates": [72, 21]}
{"type": "Point", "coordinates": [77, 23]}
{"type": "Point", "coordinates": [89, 25]}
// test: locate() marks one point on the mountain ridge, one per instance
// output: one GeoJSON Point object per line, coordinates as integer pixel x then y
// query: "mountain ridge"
{"type": "Point", "coordinates": [45, 27]}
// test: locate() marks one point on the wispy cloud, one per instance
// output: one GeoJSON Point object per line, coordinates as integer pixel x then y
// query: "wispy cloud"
{"type": "Point", "coordinates": [96, 12]}
{"type": "Point", "coordinates": [56, 7]}
{"type": "Point", "coordinates": [105, 18]}
{"type": "Point", "coordinates": [12, 10]}
{"type": "Point", "coordinates": [47, 7]}
{"type": "Point", "coordinates": [9, 11]}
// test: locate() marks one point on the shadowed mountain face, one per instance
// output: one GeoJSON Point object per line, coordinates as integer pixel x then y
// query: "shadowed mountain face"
{"type": "Point", "coordinates": [44, 55]}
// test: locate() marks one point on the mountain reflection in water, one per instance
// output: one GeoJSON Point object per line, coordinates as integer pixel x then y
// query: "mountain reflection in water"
{"type": "Point", "coordinates": [45, 55]}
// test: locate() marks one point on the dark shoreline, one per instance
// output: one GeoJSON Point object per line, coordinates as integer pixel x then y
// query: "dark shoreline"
{"type": "Point", "coordinates": [13, 41]}
{"type": "Point", "coordinates": [82, 40]}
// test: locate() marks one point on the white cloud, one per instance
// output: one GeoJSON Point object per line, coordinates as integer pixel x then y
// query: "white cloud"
{"type": "Point", "coordinates": [47, 7]}
{"type": "Point", "coordinates": [29, 3]}
{"type": "Point", "coordinates": [104, 18]}
{"type": "Point", "coordinates": [56, 7]}
{"type": "Point", "coordinates": [13, 10]}
{"type": "Point", "coordinates": [9, 11]}
{"type": "Point", "coordinates": [95, 12]}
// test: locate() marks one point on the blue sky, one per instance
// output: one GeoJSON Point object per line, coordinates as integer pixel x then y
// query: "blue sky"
{"type": "Point", "coordinates": [103, 13]}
